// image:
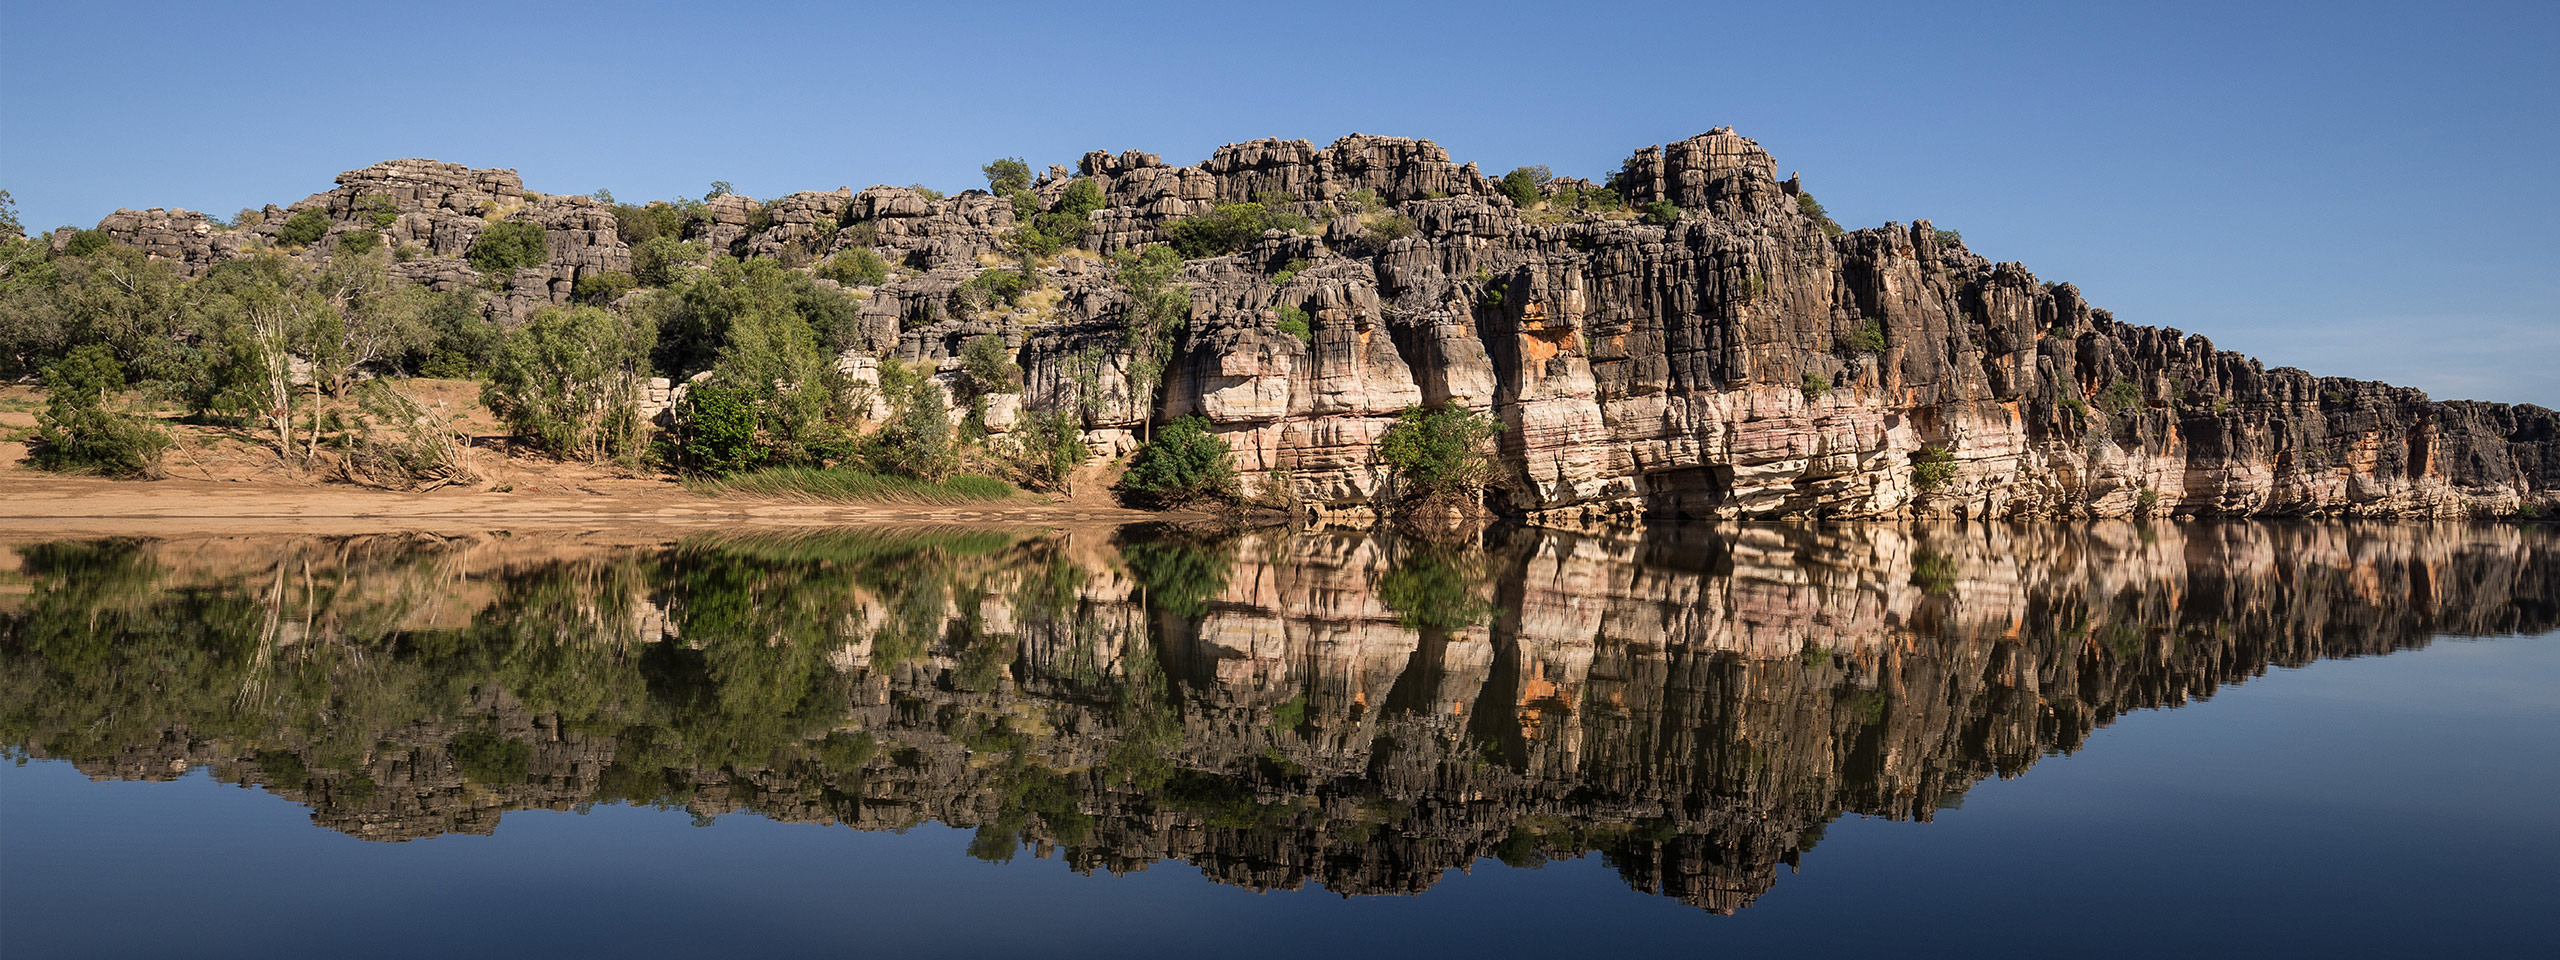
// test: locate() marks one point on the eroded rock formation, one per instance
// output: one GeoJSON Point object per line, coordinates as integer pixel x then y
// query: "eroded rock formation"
{"type": "Point", "coordinates": [1743, 360]}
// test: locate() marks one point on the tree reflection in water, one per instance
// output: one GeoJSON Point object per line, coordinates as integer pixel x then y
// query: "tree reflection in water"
{"type": "Point", "coordinates": [1272, 707]}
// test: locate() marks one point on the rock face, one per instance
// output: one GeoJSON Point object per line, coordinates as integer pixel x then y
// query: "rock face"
{"type": "Point", "coordinates": [1742, 360]}
{"type": "Point", "coordinates": [1279, 710]}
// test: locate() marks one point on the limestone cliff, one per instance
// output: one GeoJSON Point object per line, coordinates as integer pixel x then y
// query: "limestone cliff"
{"type": "Point", "coordinates": [1744, 359]}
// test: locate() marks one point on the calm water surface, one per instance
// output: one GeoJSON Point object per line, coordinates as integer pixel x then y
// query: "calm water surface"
{"type": "Point", "coordinates": [2108, 740]}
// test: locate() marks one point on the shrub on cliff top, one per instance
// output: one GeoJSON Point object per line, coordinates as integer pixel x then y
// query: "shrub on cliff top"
{"type": "Point", "coordinates": [1812, 209]}
{"type": "Point", "coordinates": [1521, 185]}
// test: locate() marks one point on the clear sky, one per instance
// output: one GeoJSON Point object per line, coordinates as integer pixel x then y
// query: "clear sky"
{"type": "Point", "coordinates": [2359, 189]}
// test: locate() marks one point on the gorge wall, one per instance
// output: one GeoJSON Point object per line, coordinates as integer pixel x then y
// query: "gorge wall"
{"type": "Point", "coordinates": [1745, 359]}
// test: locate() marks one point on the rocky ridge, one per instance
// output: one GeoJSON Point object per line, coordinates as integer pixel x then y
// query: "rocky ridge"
{"type": "Point", "coordinates": [1745, 360]}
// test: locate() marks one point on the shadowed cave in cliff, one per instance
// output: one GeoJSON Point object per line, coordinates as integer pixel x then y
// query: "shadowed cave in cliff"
{"type": "Point", "coordinates": [1273, 708]}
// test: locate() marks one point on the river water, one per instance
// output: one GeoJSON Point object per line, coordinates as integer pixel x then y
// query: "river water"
{"type": "Point", "coordinates": [2093, 740]}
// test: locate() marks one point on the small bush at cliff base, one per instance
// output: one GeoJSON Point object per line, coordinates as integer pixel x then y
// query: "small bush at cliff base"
{"type": "Point", "coordinates": [1661, 213]}
{"type": "Point", "coordinates": [359, 242]}
{"type": "Point", "coordinates": [1933, 467]}
{"type": "Point", "coordinates": [1048, 447]}
{"type": "Point", "coordinates": [1439, 452]}
{"type": "Point", "coordinates": [507, 246]}
{"type": "Point", "coordinates": [1184, 464]}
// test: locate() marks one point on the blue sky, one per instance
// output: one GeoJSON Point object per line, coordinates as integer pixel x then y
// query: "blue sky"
{"type": "Point", "coordinates": [2358, 189]}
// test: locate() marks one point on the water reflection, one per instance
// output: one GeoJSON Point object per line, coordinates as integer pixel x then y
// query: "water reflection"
{"type": "Point", "coordinates": [1274, 708]}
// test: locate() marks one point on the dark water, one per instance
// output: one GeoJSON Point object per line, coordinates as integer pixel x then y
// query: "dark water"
{"type": "Point", "coordinates": [2235, 739]}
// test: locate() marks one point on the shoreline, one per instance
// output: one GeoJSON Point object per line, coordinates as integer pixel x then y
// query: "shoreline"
{"type": "Point", "coordinates": [36, 506]}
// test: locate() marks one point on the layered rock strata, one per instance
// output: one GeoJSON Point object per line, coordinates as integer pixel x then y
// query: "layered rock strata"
{"type": "Point", "coordinates": [1744, 359]}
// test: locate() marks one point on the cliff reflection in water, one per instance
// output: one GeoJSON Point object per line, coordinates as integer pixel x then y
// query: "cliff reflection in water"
{"type": "Point", "coordinates": [1272, 708]}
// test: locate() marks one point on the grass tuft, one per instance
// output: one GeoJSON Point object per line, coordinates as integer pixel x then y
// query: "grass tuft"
{"type": "Point", "coordinates": [853, 486]}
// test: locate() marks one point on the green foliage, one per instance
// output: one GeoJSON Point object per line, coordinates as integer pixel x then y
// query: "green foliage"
{"type": "Point", "coordinates": [114, 295]}
{"type": "Point", "coordinates": [1180, 573]}
{"type": "Point", "coordinates": [304, 228]}
{"type": "Point", "coordinates": [1048, 447]}
{"type": "Point", "coordinates": [461, 341]}
{"type": "Point", "coordinates": [695, 317]}
{"type": "Point", "coordinates": [86, 242]}
{"type": "Point", "coordinates": [1949, 238]}
{"type": "Point", "coordinates": [1229, 228]}
{"type": "Point", "coordinates": [857, 267]}
{"type": "Point", "coordinates": [1933, 467]}
{"type": "Point", "coordinates": [1933, 572]}
{"type": "Point", "coordinates": [1439, 452]}
{"type": "Point", "coordinates": [986, 366]}
{"type": "Point", "coordinates": [1812, 210]}
{"type": "Point", "coordinates": [716, 431]}
{"type": "Point", "coordinates": [2121, 396]}
{"type": "Point", "coordinates": [1002, 285]}
{"type": "Point", "coordinates": [1661, 213]}
{"type": "Point", "coordinates": [1435, 589]}
{"type": "Point", "coordinates": [1816, 386]}
{"type": "Point", "coordinates": [77, 432]}
{"type": "Point", "coordinates": [1294, 322]}
{"type": "Point", "coordinates": [1387, 230]}
{"type": "Point", "coordinates": [359, 242]}
{"type": "Point", "coordinates": [488, 759]}
{"type": "Point", "coordinates": [660, 220]}
{"type": "Point", "coordinates": [568, 382]}
{"type": "Point", "coordinates": [602, 287]}
{"type": "Point", "coordinates": [1521, 185]}
{"type": "Point", "coordinates": [377, 209]}
{"type": "Point", "coordinates": [10, 227]}
{"type": "Point", "coordinates": [916, 442]}
{"type": "Point", "coordinates": [507, 246]}
{"type": "Point", "coordinates": [1007, 175]}
{"type": "Point", "coordinates": [1156, 309]}
{"type": "Point", "coordinates": [848, 485]}
{"type": "Point", "coordinates": [1289, 271]}
{"type": "Point", "coordinates": [659, 261]}
{"type": "Point", "coordinates": [1184, 464]}
{"type": "Point", "coordinates": [1867, 338]}
{"type": "Point", "coordinates": [2146, 503]}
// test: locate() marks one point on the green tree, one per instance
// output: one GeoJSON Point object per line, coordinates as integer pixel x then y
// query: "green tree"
{"type": "Point", "coordinates": [1184, 464]}
{"type": "Point", "coordinates": [304, 228]}
{"type": "Point", "coordinates": [1522, 185]}
{"type": "Point", "coordinates": [263, 314]}
{"type": "Point", "coordinates": [1153, 315]}
{"type": "Point", "coordinates": [857, 267]}
{"type": "Point", "coordinates": [1007, 175]}
{"type": "Point", "coordinates": [78, 432]}
{"type": "Point", "coordinates": [569, 382]}
{"type": "Point", "coordinates": [509, 245]}
{"type": "Point", "coordinates": [916, 442]}
{"type": "Point", "coordinates": [1439, 452]}
{"type": "Point", "coordinates": [1048, 446]}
